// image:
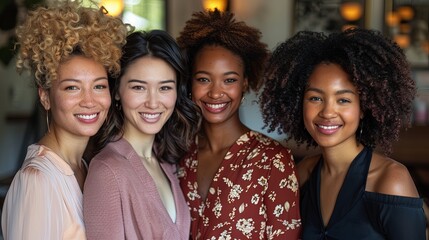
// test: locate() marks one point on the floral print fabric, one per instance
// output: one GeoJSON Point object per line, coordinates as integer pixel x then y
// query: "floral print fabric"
{"type": "Point", "coordinates": [254, 194]}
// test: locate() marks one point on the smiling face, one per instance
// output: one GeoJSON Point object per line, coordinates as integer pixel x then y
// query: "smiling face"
{"type": "Point", "coordinates": [331, 106]}
{"type": "Point", "coordinates": [79, 99]}
{"type": "Point", "coordinates": [218, 84]}
{"type": "Point", "coordinates": [147, 92]}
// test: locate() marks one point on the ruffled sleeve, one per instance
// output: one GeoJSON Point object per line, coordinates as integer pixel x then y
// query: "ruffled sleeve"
{"type": "Point", "coordinates": [32, 207]}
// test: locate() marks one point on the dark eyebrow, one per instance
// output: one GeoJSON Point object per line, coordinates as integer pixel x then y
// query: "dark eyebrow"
{"type": "Point", "coordinates": [226, 73]}
{"type": "Point", "coordinates": [145, 82]}
{"type": "Point", "coordinates": [337, 93]}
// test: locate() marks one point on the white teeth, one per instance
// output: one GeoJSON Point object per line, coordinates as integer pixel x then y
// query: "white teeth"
{"type": "Point", "coordinates": [329, 127]}
{"type": "Point", "coordinates": [151, 116]}
{"type": "Point", "coordinates": [216, 106]}
{"type": "Point", "coordinates": [87, 117]}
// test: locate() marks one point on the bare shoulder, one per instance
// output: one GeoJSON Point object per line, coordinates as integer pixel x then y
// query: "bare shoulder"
{"type": "Point", "coordinates": [388, 176]}
{"type": "Point", "coordinates": [305, 167]}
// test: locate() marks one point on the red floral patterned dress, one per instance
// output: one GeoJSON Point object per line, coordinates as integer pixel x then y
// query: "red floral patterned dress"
{"type": "Point", "coordinates": [254, 194]}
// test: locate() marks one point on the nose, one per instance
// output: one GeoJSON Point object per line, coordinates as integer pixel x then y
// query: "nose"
{"type": "Point", "coordinates": [328, 110]}
{"type": "Point", "coordinates": [87, 99]}
{"type": "Point", "coordinates": [152, 99]}
{"type": "Point", "coordinates": [215, 92]}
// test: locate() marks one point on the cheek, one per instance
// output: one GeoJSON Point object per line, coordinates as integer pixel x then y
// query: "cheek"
{"type": "Point", "coordinates": [170, 100]}
{"type": "Point", "coordinates": [197, 91]}
{"type": "Point", "coordinates": [353, 115]}
{"type": "Point", "coordinates": [129, 100]}
{"type": "Point", "coordinates": [307, 114]}
{"type": "Point", "coordinates": [105, 100]}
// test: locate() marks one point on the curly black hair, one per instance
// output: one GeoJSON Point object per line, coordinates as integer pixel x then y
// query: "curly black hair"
{"type": "Point", "coordinates": [376, 65]}
{"type": "Point", "coordinates": [213, 27]}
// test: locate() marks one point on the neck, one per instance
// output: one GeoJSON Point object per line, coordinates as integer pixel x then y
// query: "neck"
{"type": "Point", "coordinates": [141, 143]}
{"type": "Point", "coordinates": [219, 136]}
{"type": "Point", "coordinates": [69, 148]}
{"type": "Point", "coordinates": [338, 159]}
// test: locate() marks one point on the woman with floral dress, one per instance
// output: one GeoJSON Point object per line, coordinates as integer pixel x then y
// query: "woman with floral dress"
{"type": "Point", "coordinates": [238, 183]}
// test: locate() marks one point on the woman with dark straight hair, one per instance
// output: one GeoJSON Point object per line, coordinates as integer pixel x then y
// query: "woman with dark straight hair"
{"type": "Point", "coordinates": [132, 191]}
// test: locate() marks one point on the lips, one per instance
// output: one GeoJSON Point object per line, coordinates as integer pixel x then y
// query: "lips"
{"type": "Point", "coordinates": [86, 117]}
{"type": "Point", "coordinates": [215, 107]}
{"type": "Point", "coordinates": [327, 129]}
{"type": "Point", "coordinates": [151, 117]}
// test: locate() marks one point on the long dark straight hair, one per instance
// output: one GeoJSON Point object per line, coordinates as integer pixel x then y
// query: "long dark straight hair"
{"type": "Point", "coordinates": [175, 137]}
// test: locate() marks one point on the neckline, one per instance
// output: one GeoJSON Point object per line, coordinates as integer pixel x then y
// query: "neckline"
{"type": "Point", "coordinates": [351, 190]}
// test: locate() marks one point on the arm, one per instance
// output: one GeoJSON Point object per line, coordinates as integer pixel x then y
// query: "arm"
{"type": "Point", "coordinates": [102, 203]}
{"type": "Point", "coordinates": [33, 207]}
{"type": "Point", "coordinates": [282, 198]}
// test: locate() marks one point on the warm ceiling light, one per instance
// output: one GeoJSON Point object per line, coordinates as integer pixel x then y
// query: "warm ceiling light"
{"type": "Point", "coordinates": [392, 19]}
{"type": "Point", "coordinates": [405, 12]}
{"type": "Point", "coordinates": [402, 40]}
{"type": "Point", "coordinates": [212, 4]}
{"type": "Point", "coordinates": [351, 11]}
{"type": "Point", "coordinates": [113, 7]}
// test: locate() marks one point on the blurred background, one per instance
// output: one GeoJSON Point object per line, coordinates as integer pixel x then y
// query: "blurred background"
{"type": "Point", "coordinates": [406, 21]}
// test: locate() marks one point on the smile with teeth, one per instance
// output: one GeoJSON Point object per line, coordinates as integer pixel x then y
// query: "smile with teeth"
{"type": "Point", "coordinates": [216, 106]}
{"type": "Point", "coordinates": [331, 127]}
{"type": "Point", "coordinates": [87, 117]}
{"type": "Point", "coordinates": [150, 115]}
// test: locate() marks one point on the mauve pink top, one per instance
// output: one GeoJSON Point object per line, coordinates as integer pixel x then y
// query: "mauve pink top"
{"type": "Point", "coordinates": [44, 201]}
{"type": "Point", "coordinates": [121, 200]}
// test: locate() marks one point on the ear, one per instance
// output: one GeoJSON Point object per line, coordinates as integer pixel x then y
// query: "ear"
{"type": "Point", "coordinates": [44, 98]}
{"type": "Point", "coordinates": [245, 85]}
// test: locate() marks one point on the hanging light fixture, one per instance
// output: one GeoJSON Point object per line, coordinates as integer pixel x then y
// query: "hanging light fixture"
{"type": "Point", "coordinates": [212, 4]}
{"type": "Point", "coordinates": [113, 7]}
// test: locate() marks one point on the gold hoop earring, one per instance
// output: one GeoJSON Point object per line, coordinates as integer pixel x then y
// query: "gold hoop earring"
{"type": "Point", "coordinates": [47, 120]}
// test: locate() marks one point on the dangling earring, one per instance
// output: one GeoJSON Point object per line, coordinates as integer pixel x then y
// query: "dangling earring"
{"type": "Point", "coordinates": [243, 99]}
{"type": "Point", "coordinates": [190, 96]}
{"type": "Point", "coordinates": [118, 105]}
{"type": "Point", "coordinates": [47, 120]}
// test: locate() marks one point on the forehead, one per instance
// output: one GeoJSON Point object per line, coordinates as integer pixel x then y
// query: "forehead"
{"type": "Point", "coordinates": [212, 53]}
{"type": "Point", "coordinates": [330, 75]}
{"type": "Point", "coordinates": [150, 67]}
{"type": "Point", "coordinates": [81, 68]}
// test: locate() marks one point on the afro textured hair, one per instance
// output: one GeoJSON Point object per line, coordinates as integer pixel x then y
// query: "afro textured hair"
{"type": "Point", "coordinates": [213, 27]}
{"type": "Point", "coordinates": [376, 66]}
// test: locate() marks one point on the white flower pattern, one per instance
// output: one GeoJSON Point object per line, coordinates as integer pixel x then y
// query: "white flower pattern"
{"type": "Point", "coordinates": [253, 195]}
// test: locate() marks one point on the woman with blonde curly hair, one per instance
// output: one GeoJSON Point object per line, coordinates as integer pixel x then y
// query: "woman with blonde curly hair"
{"type": "Point", "coordinates": [70, 50]}
{"type": "Point", "coordinates": [238, 183]}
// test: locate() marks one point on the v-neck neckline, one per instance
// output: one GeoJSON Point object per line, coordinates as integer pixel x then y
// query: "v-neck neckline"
{"type": "Point", "coordinates": [351, 190]}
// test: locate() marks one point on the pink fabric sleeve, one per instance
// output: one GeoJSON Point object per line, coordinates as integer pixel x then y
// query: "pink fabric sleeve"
{"type": "Point", "coordinates": [282, 199]}
{"type": "Point", "coordinates": [32, 208]}
{"type": "Point", "coordinates": [102, 204]}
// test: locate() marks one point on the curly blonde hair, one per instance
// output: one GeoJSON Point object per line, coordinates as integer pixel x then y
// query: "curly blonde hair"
{"type": "Point", "coordinates": [50, 35]}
